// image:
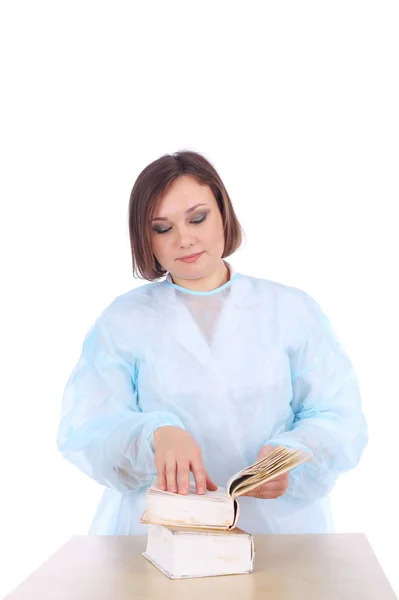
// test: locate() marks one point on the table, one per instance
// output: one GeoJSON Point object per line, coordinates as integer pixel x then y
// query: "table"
{"type": "Point", "coordinates": [308, 567]}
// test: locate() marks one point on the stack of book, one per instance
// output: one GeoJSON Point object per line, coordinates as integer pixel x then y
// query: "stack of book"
{"type": "Point", "coordinates": [196, 535]}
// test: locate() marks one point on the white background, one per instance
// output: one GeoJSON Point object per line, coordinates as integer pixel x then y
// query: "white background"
{"type": "Point", "coordinates": [296, 104]}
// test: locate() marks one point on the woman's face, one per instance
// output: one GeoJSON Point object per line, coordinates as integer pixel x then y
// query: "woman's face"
{"type": "Point", "coordinates": [187, 222]}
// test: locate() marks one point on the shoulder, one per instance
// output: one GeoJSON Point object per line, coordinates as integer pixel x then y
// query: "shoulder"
{"type": "Point", "coordinates": [136, 298]}
{"type": "Point", "coordinates": [286, 295]}
{"type": "Point", "coordinates": [291, 307]}
{"type": "Point", "coordinates": [130, 307]}
{"type": "Point", "coordinates": [294, 311]}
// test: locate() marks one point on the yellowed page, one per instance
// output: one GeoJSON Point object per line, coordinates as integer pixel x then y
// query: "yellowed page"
{"type": "Point", "coordinates": [279, 461]}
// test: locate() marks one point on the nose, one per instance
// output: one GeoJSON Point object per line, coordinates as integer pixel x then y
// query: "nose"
{"type": "Point", "coordinates": [186, 238]}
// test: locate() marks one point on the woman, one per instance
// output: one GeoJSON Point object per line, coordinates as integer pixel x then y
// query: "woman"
{"type": "Point", "coordinates": [205, 370]}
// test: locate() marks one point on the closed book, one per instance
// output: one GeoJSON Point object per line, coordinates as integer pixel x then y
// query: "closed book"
{"type": "Point", "coordinates": [185, 553]}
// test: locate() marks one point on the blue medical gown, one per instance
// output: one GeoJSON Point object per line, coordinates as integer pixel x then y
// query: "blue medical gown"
{"type": "Point", "coordinates": [253, 362]}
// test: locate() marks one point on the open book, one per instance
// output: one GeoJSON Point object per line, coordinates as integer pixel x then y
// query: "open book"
{"type": "Point", "coordinates": [219, 509]}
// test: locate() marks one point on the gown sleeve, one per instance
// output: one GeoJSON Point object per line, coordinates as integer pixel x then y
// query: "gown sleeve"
{"type": "Point", "coordinates": [328, 420]}
{"type": "Point", "coordinates": [102, 429]}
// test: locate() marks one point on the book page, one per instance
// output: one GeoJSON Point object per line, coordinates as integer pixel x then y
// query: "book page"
{"type": "Point", "coordinates": [274, 464]}
{"type": "Point", "coordinates": [256, 481]}
{"type": "Point", "coordinates": [218, 495]}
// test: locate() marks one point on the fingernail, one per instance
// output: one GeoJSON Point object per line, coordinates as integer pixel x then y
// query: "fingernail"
{"type": "Point", "coordinates": [201, 490]}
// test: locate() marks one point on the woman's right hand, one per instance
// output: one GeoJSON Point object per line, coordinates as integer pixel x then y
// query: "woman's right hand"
{"type": "Point", "coordinates": [176, 454]}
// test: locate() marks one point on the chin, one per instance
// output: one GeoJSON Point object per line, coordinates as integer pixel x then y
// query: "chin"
{"type": "Point", "coordinates": [195, 270]}
{"type": "Point", "coordinates": [190, 274]}
{"type": "Point", "coordinates": [190, 271]}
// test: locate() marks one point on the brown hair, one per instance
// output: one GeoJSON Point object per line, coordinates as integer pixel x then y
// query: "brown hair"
{"type": "Point", "coordinates": [151, 184]}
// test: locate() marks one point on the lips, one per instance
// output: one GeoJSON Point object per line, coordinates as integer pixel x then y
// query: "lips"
{"type": "Point", "coordinates": [191, 257]}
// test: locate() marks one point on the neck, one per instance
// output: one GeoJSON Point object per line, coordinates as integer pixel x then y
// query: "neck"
{"type": "Point", "coordinates": [207, 283]}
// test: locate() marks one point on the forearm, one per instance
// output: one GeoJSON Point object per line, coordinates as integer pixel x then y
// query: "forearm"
{"type": "Point", "coordinates": [115, 450]}
{"type": "Point", "coordinates": [334, 439]}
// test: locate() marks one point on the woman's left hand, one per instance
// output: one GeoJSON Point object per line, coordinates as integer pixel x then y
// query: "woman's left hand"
{"type": "Point", "coordinates": [274, 488]}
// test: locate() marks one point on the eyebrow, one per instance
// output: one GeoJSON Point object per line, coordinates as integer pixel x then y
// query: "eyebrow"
{"type": "Point", "coordinates": [187, 212]}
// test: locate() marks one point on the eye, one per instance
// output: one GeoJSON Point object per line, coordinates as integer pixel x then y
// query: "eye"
{"type": "Point", "coordinates": [164, 230]}
{"type": "Point", "coordinates": [199, 219]}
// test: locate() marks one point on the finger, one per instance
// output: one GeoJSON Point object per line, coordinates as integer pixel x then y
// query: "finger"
{"type": "Point", "coordinates": [256, 492]}
{"type": "Point", "coordinates": [282, 479]}
{"type": "Point", "coordinates": [280, 483]}
{"type": "Point", "coordinates": [160, 466]}
{"type": "Point", "coordinates": [183, 477]}
{"type": "Point", "coordinates": [270, 486]}
{"type": "Point", "coordinates": [199, 475]}
{"type": "Point", "coordinates": [270, 495]}
{"type": "Point", "coordinates": [209, 484]}
{"type": "Point", "coordinates": [278, 487]}
{"type": "Point", "coordinates": [170, 469]}
{"type": "Point", "coordinates": [265, 451]}
{"type": "Point", "coordinates": [277, 479]}
{"type": "Point", "coordinates": [285, 479]}
{"type": "Point", "coordinates": [271, 489]}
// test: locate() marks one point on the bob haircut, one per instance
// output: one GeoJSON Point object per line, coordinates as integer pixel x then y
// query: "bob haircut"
{"type": "Point", "coordinates": [150, 186]}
